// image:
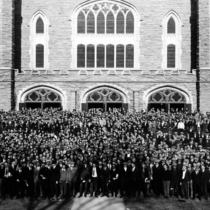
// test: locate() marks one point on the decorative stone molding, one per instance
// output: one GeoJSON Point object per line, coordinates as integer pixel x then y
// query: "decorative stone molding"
{"type": "Point", "coordinates": [84, 93]}
{"type": "Point", "coordinates": [126, 72]}
{"type": "Point", "coordinates": [97, 72]}
{"type": "Point", "coordinates": [178, 88]}
{"type": "Point", "coordinates": [56, 71]}
{"type": "Point", "coordinates": [153, 72]}
{"type": "Point", "coordinates": [112, 72]}
{"type": "Point", "coordinates": [82, 72]}
{"type": "Point", "coordinates": [23, 92]}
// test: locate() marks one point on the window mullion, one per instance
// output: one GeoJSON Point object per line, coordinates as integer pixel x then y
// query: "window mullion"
{"type": "Point", "coordinates": [105, 56]}
{"type": "Point", "coordinates": [85, 56]}
{"type": "Point", "coordinates": [125, 56]}
{"type": "Point", "coordinates": [96, 55]}
{"type": "Point", "coordinates": [115, 56]}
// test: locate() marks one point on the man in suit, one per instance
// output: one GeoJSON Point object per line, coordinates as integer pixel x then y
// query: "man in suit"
{"type": "Point", "coordinates": [125, 179]}
{"type": "Point", "coordinates": [84, 178]}
{"type": "Point", "coordinates": [94, 180]}
{"type": "Point", "coordinates": [63, 181]}
{"type": "Point", "coordinates": [54, 180]}
{"type": "Point", "coordinates": [114, 180]}
{"type": "Point", "coordinates": [196, 178]}
{"type": "Point", "coordinates": [204, 182]}
{"type": "Point", "coordinates": [105, 179]}
{"type": "Point", "coordinates": [157, 181]}
{"type": "Point", "coordinates": [175, 174]}
{"type": "Point", "coordinates": [184, 182]}
{"type": "Point", "coordinates": [135, 176]}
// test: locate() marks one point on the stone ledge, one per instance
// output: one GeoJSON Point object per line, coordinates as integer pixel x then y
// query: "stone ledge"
{"type": "Point", "coordinates": [126, 72]}
{"type": "Point", "coordinates": [82, 72]}
{"type": "Point", "coordinates": [97, 72]}
{"type": "Point", "coordinates": [112, 72]}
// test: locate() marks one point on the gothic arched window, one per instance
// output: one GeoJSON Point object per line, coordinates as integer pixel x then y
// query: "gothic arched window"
{"type": "Point", "coordinates": [39, 26]}
{"type": "Point", "coordinates": [171, 29]}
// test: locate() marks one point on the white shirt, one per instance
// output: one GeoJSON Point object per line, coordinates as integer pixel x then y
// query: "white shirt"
{"type": "Point", "coordinates": [94, 174]}
{"type": "Point", "coordinates": [183, 175]}
{"type": "Point", "coordinates": [180, 125]}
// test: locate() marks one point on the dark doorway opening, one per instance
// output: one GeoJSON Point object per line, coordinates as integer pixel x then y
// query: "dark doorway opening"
{"type": "Point", "coordinates": [51, 105]}
{"type": "Point", "coordinates": [113, 105]}
{"type": "Point", "coordinates": [158, 107]}
{"type": "Point", "coordinates": [177, 107]}
{"type": "Point", "coordinates": [95, 106]}
{"type": "Point", "coordinates": [33, 105]}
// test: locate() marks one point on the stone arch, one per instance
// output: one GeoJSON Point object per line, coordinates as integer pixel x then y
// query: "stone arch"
{"type": "Point", "coordinates": [123, 92]}
{"type": "Point", "coordinates": [181, 90]}
{"type": "Point", "coordinates": [25, 91]}
{"type": "Point", "coordinates": [106, 94]}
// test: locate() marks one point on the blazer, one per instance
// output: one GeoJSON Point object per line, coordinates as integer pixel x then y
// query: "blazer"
{"type": "Point", "coordinates": [186, 177]}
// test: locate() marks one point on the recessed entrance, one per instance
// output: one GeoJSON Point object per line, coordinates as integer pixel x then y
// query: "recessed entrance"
{"type": "Point", "coordinates": [105, 98]}
{"type": "Point", "coordinates": [42, 98]}
{"type": "Point", "coordinates": [169, 100]}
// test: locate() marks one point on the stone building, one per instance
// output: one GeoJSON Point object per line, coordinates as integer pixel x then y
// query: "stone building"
{"type": "Point", "coordinates": [135, 54]}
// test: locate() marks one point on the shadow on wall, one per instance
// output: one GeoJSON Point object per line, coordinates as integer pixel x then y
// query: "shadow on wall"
{"type": "Point", "coordinates": [17, 34]}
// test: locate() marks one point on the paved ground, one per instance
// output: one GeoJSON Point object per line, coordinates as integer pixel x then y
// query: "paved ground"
{"type": "Point", "coordinates": [104, 203]}
{"type": "Point", "coordinates": [101, 203]}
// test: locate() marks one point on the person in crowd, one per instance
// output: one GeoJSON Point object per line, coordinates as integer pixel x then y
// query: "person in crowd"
{"type": "Point", "coordinates": [166, 177]}
{"type": "Point", "coordinates": [184, 182]}
{"type": "Point", "coordinates": [111, 151]}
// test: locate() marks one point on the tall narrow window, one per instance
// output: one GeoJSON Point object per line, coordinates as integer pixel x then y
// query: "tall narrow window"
{"type": "Point", "coordinates": [171, 56]}
{"type": "Point", "coordinates": [100, 55]}
{"type": "Point", "coordinates": [110, 23]}
{"type": "Point", "coordinates": [171, 26]}
{"type": "Point", "coordinates": [81, 23]}
{"type": "Point", "coordinates": [100, 23]}
{"type": "Point", "coordinates": [129, 23]}
{"type": "Point", "coordinates": [81, 56]}
{"type": "Point", "coordinates": [129, 56]}
{"type": "Point", "coordinates": [39, 26]}
{"type": "Point", "coordinates": [39, 56]}
{"type": "Point", "coordinates": [120, 23]}
{"type": "Point", "coordinates": [110, 56]}
{"type": "Point", "coordinates": [120, 56]}
{"type": "Point", "coordinates": [90, 23]}
{"type": "Point", "coordinates": [90, 56]}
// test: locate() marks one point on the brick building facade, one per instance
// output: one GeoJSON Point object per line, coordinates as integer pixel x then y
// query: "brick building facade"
{"type": "Point", "coordinates": [105, 53]}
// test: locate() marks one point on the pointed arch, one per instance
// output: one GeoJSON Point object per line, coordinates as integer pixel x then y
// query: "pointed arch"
{"type": "Point", "coordinates": [129, 23]}
{"type": "Point", "coordinates": [110, 23]}
{"type": "Point", "coordinates": [22, 94]}
{"type": "Point", "coordinates": [117, 17]}
{"type": "Point", "coordinates": [100, 23]}
{"type": "Point", "coordinates": [120, 23]}
{"type": "Point", "coordinates": [81, 23]}
{"type": "Point", "coordinates": [91, 23]}
{"type": "Point", "coordinates": [172, 38]}
{"type": "Point", "coordinates": [39, 46]}
{"type": "Point", "coordinates": [171, 27]}
{"type": "Point", "coordinates": [39, 26]}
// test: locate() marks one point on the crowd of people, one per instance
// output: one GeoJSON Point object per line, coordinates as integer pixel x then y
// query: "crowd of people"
{"type": "Point", "coordinates": [57, 154]}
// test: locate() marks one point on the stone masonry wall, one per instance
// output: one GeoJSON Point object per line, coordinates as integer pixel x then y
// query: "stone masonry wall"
{"type": "Point", "coordinates": [59, 13]}
{"type": "Point", "coordinates": [133, 85]}
{"type": "Point", "coordinates": [6, 10]}
{"type": "Point", "coordinates": [204, 33]}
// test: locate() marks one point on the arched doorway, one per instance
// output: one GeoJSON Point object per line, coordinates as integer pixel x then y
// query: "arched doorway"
{"type": "Point", "coordinates": [168, 99]}
{"type": "Point", "coordinates": [105, 98]}
{"type": "Point", "coordinates": [41, 97]}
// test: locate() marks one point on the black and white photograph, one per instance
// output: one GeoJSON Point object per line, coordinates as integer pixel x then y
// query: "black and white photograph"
{"type": "Point", "coordinates": [104, 105]}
